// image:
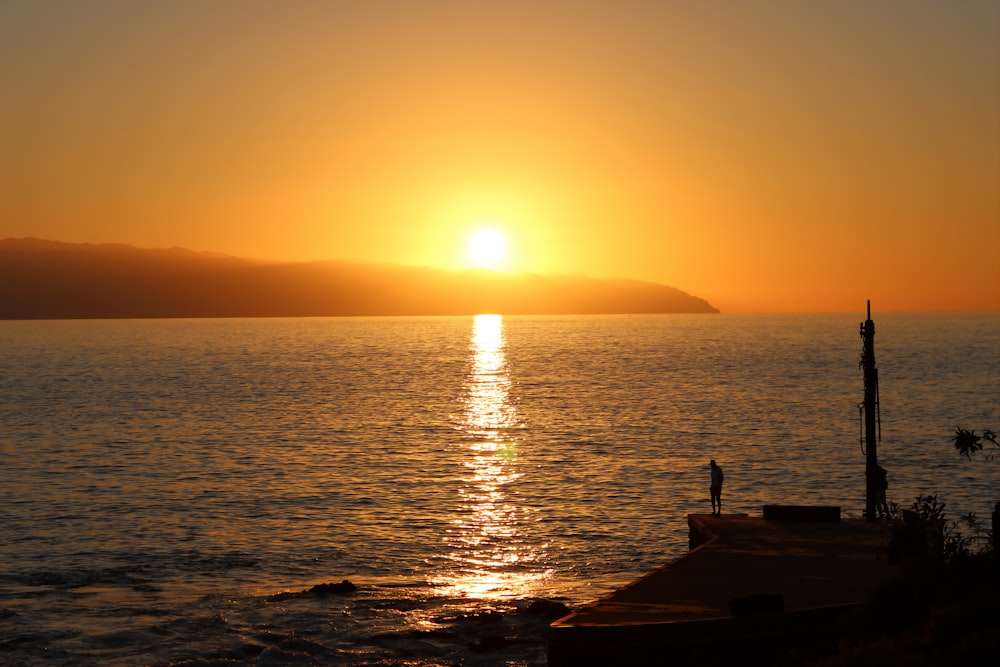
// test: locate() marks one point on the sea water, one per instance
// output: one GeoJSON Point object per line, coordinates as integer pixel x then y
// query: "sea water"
{"type": "Point", "coordinates": [172, 489]}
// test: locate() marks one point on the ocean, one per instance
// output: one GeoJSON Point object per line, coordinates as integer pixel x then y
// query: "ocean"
{"type": "Point", "coordinates": [172, 490]}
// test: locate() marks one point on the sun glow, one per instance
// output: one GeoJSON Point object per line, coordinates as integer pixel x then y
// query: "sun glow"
{"type": "Point", "coordinates": [487, 248]}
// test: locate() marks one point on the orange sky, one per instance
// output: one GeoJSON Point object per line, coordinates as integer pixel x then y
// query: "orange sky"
{"type": "Point", "coordinates": [771, 156]}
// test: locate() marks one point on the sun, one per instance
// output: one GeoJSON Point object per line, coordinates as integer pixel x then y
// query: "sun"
{"type": "Point", "coordinates": [487, 248]}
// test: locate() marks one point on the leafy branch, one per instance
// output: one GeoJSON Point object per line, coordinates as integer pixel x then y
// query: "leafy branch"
{"type": "Point", "coordinates": [968, 442]}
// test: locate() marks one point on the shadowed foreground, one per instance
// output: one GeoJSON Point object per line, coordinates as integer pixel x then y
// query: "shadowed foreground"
{"type": "Point", "coordinates": [750, 590]}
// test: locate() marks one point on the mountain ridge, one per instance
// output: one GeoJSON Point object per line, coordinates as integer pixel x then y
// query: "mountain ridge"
{"type": "Point", "coordinates": [41, 279]}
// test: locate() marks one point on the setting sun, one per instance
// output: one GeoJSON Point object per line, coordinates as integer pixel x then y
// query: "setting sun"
{"type": "Point", "coordinates": [487, 248]}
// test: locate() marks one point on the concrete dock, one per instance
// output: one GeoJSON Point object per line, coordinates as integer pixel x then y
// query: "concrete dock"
{"type": "Point", "coordinates": [748, 586]}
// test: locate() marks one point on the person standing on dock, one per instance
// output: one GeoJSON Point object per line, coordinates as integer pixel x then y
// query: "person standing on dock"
{"type": "Point", "coordinates": [881, 506]}
{"type": "Point", "coordinates": [715, 490]}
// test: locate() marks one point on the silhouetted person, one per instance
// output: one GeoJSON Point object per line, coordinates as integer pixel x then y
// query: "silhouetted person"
{"type": "Point", "coordinates": [996, 532]}
{"type": "Point", "coordinates": [715, 490]}
{"type": "Point", "coordinates": [881, 506]}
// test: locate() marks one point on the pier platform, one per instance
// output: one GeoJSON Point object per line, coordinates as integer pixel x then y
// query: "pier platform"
{"type": "Point", "coordinates": [749, 586]}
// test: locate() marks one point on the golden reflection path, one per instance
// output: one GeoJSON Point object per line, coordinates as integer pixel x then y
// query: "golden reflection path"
{"type": "Point", "coordinates": [490, 556]}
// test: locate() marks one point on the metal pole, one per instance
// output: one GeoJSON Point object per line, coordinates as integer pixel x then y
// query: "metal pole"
{"type": "Point", "coordinates": [871, 414]}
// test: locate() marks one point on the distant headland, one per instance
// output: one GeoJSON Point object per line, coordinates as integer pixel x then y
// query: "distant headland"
{"type": "Point", "coordinates": [51, 280]}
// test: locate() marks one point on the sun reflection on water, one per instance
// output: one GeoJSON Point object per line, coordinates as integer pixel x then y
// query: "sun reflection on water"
{"type": "Point", "coordinates": [488, 551]}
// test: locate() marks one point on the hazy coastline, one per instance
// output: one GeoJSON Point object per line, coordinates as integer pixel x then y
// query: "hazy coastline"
{"type": "Point", "coordinates": [51, 280]}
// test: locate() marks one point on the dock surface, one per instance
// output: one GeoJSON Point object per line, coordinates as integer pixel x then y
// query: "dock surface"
{"type": "Point", "coordinates": [812, 569]}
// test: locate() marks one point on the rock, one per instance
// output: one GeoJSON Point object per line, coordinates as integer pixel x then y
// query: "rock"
{"type": "Point", "coordinates": [547, 609]}
{"type": "Point", "coordinates": [343, 587]}
{"type": "Point", "coordinates": [489, 643]}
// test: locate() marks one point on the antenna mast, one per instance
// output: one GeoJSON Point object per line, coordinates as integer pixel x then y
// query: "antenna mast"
{"type": "Point", "coordinates": [870, 404]}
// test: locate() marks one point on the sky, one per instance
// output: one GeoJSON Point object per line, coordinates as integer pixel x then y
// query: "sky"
{"type": "Point", "coordinates": [772, 156]}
